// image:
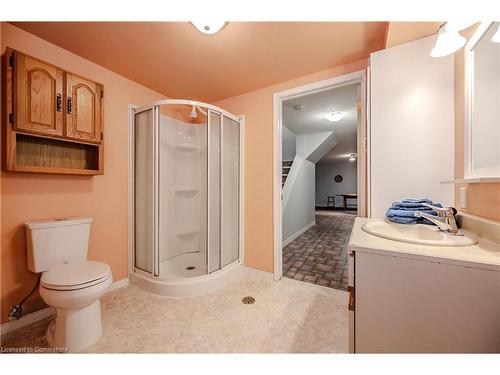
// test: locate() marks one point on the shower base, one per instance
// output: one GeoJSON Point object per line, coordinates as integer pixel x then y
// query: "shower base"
{"type": "Point", "coordinates": [182, 265]}
{"type": "Point", "coordinates": [183, 286]}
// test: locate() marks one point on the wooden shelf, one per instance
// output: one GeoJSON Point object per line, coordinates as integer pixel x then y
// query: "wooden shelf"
{"type": "Point", "coordinates": [44, 155]}
{"type": "Point", "coordinates": [86, 172]}
{"type": "Point", "coordinates": [58, 138]}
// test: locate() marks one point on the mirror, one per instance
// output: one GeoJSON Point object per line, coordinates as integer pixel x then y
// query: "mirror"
{"type": "Point", "coordinates": [482, 103]}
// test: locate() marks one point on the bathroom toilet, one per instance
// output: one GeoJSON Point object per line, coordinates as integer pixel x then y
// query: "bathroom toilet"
{"type": "Point", "coordinates": [69, 283]}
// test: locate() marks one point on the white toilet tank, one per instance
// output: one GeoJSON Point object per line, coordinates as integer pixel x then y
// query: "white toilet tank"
{"type": "Point", "coordinates": [57, 241]}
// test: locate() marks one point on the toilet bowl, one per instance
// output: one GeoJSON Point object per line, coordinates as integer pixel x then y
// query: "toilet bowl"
{"type": "Point", "coordinates": [69, 283]}
{"type": "Point", "coordinates": [74, 290]}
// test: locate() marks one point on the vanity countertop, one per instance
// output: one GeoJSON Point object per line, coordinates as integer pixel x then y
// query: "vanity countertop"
{"type": "Point", "coordinates": [485, 254]}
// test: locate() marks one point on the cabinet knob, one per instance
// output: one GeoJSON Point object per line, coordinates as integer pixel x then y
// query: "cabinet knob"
{"type": "Point", "coordinates": [58, 102]}
{"type": "Point", "coordinates": [68, 106]}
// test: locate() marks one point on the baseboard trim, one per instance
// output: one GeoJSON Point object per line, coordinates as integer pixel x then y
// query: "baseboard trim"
{"type": "Point", "coordinates": [298, 233]}
{"type": "Point", "coordinates": [118, 284]}
{"type": "Point", "coordinates": [25, 320]}
{"type": "Point", "coordinates": [330, 208]}
{"type": "Point", "coordinates": [33, 317]}
{"type": "Point", "coordinates": [260, 273]}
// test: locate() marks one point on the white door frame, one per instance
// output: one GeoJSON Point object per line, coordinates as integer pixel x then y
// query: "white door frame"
{"type": "Point", "coordinates": [278, 98]}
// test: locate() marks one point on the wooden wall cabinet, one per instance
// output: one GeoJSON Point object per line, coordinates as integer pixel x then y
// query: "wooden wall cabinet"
{"type": "Point", "coordinates": [83, 108]}
{"type": "Point", "coordinates": [53, 119]}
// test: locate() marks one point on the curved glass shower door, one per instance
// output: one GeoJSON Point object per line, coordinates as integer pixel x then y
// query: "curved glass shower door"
{"type": "Point", "coordinates": [223, 190]}
{"type": "Point", "coordinates": [145, 209]}
{"type": "Point", "coordinates": [186, 190]}
{"type": "Point", "coordinates": [214, 192]}
{"type": "Point", "coordinates": [230, 190]}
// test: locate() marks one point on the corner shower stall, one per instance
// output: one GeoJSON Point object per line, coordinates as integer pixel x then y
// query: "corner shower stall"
{"type": "Point", "coordinates": [186, 197]}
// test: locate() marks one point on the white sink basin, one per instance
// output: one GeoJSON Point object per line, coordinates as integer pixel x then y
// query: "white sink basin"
{"type": "Point", "coordinates": [420, 234]}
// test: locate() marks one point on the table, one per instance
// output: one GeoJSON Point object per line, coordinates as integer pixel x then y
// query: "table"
{"type": "Point", "coordinates": [348, 196]}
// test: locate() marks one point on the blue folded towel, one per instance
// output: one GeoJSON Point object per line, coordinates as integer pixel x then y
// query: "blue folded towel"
{"type": "Point", "coordinates": [404, 212]}
{"type": "Point", "coordinates": [412, 203]}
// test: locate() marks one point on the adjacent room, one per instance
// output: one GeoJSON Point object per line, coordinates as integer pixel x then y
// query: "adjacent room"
{"type": "Point", "coordinates": [319, 178]}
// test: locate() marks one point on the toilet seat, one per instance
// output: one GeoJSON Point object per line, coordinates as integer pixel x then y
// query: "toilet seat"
{"type": "Point", "coordinates": [74, 276]}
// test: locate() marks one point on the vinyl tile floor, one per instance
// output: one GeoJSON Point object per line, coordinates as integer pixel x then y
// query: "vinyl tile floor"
{"type": "Point", "coordinates": [319, 255]}
{"type": "Point", "coordinates": [287, 317]}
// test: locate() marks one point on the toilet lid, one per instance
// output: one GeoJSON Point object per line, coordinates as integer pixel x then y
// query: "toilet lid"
{"type": "Point", "coordinates": [75, 274]}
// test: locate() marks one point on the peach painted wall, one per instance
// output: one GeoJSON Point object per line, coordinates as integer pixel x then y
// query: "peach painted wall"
{"type": "Point", "coordinates": [1, 117]}
{"type": "Point", "coordinates": [483, 199]}
{"type": "Point", "coordinates": [402, 32]}
{"type": "Point", "coordinates": [257, 106]}
{"type": "Point", "coordinates": [38, 196]}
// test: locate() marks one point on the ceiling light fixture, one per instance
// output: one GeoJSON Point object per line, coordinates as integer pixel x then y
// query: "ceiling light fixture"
{"type": "Point", "coordinates": [496, 37]}
{"type": "Point", "coordinates": [335, 116]}
{"type": "Point", "coordinates": [209, 27]}
{"type": "Point", "coordinates": [448, 41]}
{"type": "Point", "coordinates": [460, 25]}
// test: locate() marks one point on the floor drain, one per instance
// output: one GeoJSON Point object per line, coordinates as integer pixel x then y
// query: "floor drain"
{"type": "Point", "coordinates": [248, 300]}
{"type": "Point", "coordinates": [190, 268]}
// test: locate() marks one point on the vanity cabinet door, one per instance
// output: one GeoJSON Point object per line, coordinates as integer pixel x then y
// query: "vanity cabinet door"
{"type": "Point", "coordinates": [83, 109]}
{"type": "Point", "coordinates": [406, 305]}
{"type": "Point", "coordinates": [38, 96]}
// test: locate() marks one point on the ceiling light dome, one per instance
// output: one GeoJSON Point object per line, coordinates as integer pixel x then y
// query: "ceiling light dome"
{"type": "Point", "coordinates": [209, 27]}
{"type": "Point", "coordinates": [335, 116]}
{"type": "Point", "coordinates": [448, 41]}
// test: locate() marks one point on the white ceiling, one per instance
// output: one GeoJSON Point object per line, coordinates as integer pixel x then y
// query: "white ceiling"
{"type": "Point", "coordinates": [310, 119]}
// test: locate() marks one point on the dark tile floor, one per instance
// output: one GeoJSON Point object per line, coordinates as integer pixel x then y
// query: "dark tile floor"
{"type": "Point", "coordinates": [319, 256]}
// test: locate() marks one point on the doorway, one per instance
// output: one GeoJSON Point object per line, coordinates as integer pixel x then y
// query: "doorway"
{"type": "Point", "coordinates": [305, 240]}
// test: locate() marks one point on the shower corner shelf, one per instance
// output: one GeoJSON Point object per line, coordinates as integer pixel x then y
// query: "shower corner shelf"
{"type": "Point", "coordinates": [186, 189]}
{"type": "Point", "coordinates": [186, 231]}
{"type": "Point", "coordinates": [187, 147]}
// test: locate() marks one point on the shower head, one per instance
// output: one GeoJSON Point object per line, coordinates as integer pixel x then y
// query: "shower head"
{"type": "Point", "coordinates": [193, 114]}
{"type": "Point", "coordinates": [195, 108]}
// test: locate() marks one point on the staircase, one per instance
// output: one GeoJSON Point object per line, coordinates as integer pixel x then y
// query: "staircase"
{"type": "Point", "coordinates": [287, 164]}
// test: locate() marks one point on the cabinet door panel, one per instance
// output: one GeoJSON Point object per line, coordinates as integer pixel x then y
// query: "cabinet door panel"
{"type": "Point", "coordinates": [405, 305]}
{"type": "Point", "coordinates": [38, 97]}
{"type": "Point", "coordinates": [83, 109]}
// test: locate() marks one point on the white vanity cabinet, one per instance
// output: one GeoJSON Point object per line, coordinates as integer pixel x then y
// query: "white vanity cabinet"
{"type": "Point", "coordinates": [407, 303]}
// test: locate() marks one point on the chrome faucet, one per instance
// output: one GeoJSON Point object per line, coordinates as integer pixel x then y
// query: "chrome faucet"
{"type": "Point", "coordinates": [445, 220]}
